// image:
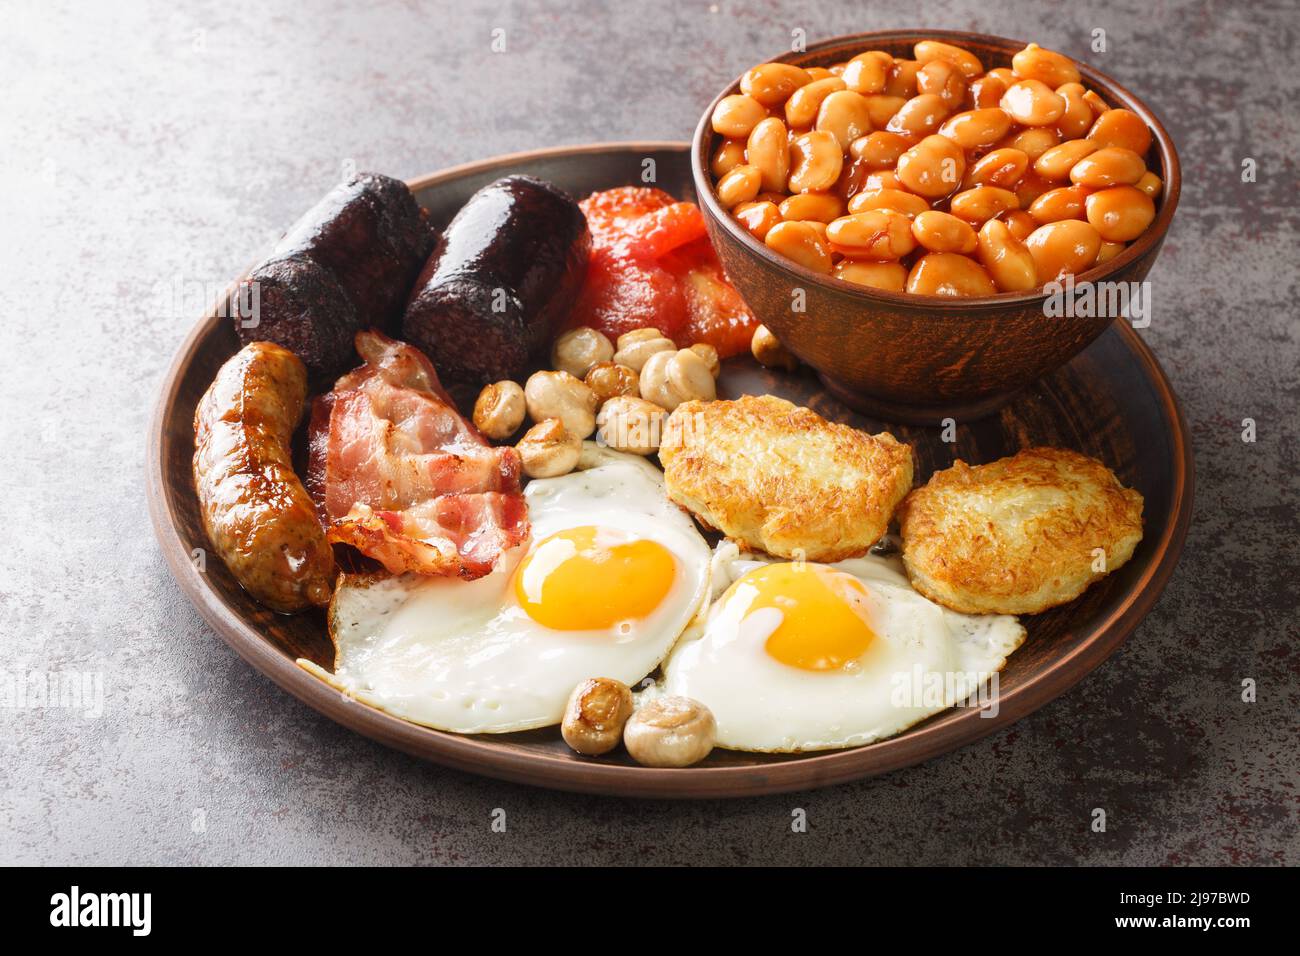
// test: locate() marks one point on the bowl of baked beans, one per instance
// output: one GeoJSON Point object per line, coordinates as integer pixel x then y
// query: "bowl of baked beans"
{"type": "Point", "coordinates": [904, 210]}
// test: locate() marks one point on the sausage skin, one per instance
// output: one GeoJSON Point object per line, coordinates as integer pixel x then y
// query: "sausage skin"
{"type": "Point", "coordinates": [348, 264]}
{"type": "Point", "coordinates": [506, 268]}
{"type": "Point", "coordinates": [258, 517]}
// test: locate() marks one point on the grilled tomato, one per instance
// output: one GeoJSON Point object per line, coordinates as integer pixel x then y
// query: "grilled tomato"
{"type": "Point", "coordinates": [652, 266]}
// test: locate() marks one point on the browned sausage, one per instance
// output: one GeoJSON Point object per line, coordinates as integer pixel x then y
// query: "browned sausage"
{"type": "Point", "coordinates": [256, 512]}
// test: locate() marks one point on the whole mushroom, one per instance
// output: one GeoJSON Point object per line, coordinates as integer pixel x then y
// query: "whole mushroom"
{"type": "Point", "coordinates": [635, 347]}
{"type": "Point", "coordinates": [670, 378]}
{"type": "Point", "coordinates": [577, 350]}
{"type": "Point", "coordinates": [549, 450]}
{"type": "Point", "coordinates": [710, 355]}
{"type": "Point", "coordinates": [770, 352]}
{"type": "Point", "coordinates": [594, 717]}
{"type": "Point", "coordinates": [499, 410]}
{"type": "Point", "coordinates": [630, 424]}
{"type": "Point", "coordinates": [608, 379]}
{"type": "Point", "coordinates": [670, 732]}
{"type": "Point", "coordinates": [560, 395]}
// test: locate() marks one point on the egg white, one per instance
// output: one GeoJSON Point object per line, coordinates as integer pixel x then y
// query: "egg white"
{"type": "Point", "coordinates": [465, 657]}
{"type": "Point", "coordinates": [762, 704]}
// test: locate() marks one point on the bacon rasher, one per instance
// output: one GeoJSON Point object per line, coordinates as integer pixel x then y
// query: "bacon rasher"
{"type": "Point", "coordinates": [397, 473]}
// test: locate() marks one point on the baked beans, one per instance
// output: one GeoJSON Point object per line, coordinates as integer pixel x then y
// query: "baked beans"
{"type": "Point", "coordinates": [879, 234]}
{"type": "Point", "coordinates": [1065, 202]}
{"type": "Point", "coordinates": [818, 161]}
{"type": "Point", "coordinates": [932, 168]}
{"type": "Point", "coordinates": [1077, 118]}
{"type": "Point", "coordinates": [1063, 248]}
{"type": "Point", "coordinates": [983, 203]}
{"type": "Point", "coordinates": [974, 129]}
{"type": "Point", "coordinates": [1046, 66]}
{"type": "Point", "coordinates": [768, 150]}
{"type": "Point", "coordinates": [1002, 167]}
{"type": "Point", "coordinates": [902, 78]}
{"type": "Point", "coordinates": [987, 91]}
{"type": "Point", "coordinates": [1098, 105]}
{"type": "Point", "coordinates": [1057, 162]}
{"type": "Point", "coordinates": [772, 83]}
{"type": "Point", "coordinates": [881, 107]}
{"type": "Point", "coordinates": [1033, 103]}
{"type": "Point", "coordinates": [881, 179]}
{"type": "Point", "coordinates": [1120, 213]}
{"type": "Point", "coordinates": [1109, 166]}
{"type": "Point", "coordinates": [878, 275]}
{"type": "Point", "coordinates": [944, 80]}
{"type": "Point", "coordinates": [802, 106]}
{"type": "Point", "coordinates": [868, 72]}
{"type": "Point", "coordinates": [919, 116]}
{"type": "Point", "coordinates": [740, 185]}
{"type": "Point", "coordinates": [942, 232]}
{"type": "Point", "coordinates": [736, 115]}
{"type": "Point", "coordinates": [928, 50]}
{"type": "Point", "coordinates": [946, 273]}
{"type": "Point", "coordinates": [727, 157]}
{"type": "Point", "coordinates": [1006, 258]}
{"type": "Point", "coordinates": [1121, 128]}
{"type": "Point", "coordinates": [757, 217]}
{"type": "Point", "coordinates": [1030, 187]}
{"type": "Point", "coordinates": [933, 175]}
{"type": "Point", "coordinates": [1033, 142]}
{"type": "Point", "coordinates": [802, 243]}
{"type": "Point", "coordinates": [1151, 184]}
{"type": "Point", "coordinates": [899, 200]}
{"type": "Point", "coordinates": [1020, 223]}
{"type": "Point", "coordinates": [846, 116]}
{"type": "Point", "coordinates": [812, 207]}
{"type": "Point", "coordinates": [1108, 251]}
{"type": "Point", "coordinates": [879, 150]}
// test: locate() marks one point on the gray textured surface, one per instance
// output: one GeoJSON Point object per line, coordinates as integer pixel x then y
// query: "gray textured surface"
{"type": "Point", "coordinates": [150, 144]}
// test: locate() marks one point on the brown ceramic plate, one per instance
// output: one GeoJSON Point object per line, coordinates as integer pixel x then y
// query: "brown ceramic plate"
{"type": "Point", "coordinates": [1112, 402]}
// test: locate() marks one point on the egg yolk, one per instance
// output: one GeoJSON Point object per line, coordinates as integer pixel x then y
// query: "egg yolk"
{"type": "Point", "coordinates": [588, 578]}
{"type": "Point", "coordinates": [823, 624]}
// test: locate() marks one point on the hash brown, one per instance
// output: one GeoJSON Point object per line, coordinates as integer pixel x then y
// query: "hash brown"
{"type": "Point", "coordinates": [1018, 535]}
{"type": "Point", "coordinates": [781, 479]}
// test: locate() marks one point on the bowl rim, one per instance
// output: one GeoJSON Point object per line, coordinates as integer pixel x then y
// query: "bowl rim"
{"type": "Point", "coordinates": [989, 306]}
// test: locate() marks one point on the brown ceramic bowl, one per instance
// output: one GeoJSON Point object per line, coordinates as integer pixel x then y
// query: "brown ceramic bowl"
{"type": "Point", "coordinates": [913, 358]}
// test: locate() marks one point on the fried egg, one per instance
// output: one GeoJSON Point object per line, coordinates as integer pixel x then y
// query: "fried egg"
{"type": "Point", "coordinates": [611, 577]}
{"type": "Point", "coordinates": [795, 656]}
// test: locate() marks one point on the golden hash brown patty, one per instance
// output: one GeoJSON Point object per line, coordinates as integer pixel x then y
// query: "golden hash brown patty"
{"type": "Point", "coordinates": [781, 479]}
{"type": "Point", "coordinates": [1018, 535]}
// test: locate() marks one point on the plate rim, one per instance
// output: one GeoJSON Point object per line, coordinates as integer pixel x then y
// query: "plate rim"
{"type": "Point", "coordinates": [485, 758]}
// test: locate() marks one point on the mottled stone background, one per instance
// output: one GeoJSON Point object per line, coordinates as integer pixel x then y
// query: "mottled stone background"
{"type": "Point", "coordinates": [147, 144]}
